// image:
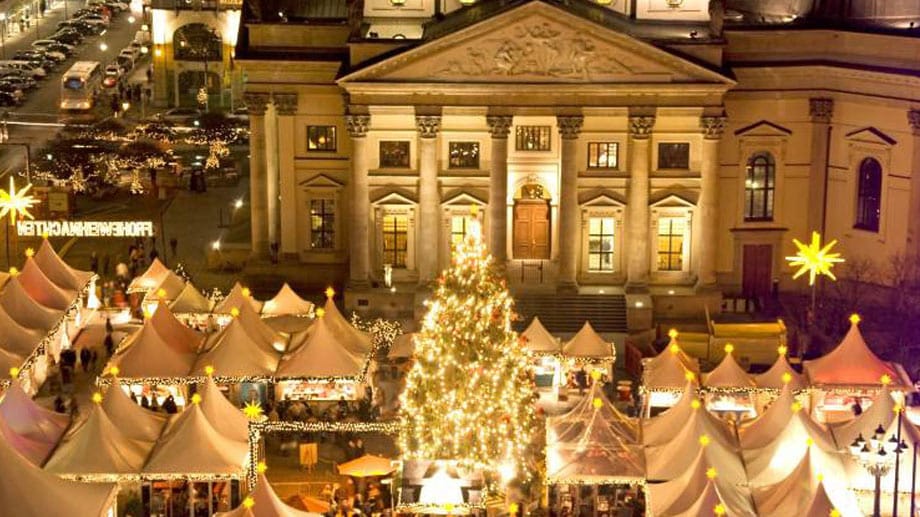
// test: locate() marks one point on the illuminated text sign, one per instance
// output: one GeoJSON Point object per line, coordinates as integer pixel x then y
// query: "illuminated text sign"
{"type": "Point", "coordinates": [85, 228]}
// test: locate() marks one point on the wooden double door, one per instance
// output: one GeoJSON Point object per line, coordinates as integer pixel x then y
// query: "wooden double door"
{"type": "Point", "coordinates": [757, 270]}
{"type": "Point", "coordinates": [531, 234]}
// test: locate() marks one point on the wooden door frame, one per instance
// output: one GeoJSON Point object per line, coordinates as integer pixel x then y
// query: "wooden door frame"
{"type": "Point", "coordinates": [549, 225]}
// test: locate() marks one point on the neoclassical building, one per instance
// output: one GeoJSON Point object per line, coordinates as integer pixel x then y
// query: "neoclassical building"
{"type": "Point", "coordinates": [653, 147]}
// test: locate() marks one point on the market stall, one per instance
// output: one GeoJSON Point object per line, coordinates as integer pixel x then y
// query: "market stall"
{"type": "Point", "coordinates": [697, 491]}
{"type": "Point", "coordinates": [239, 351]}
{"type": "Point", "coordinates": [193, 308]}
{"type": "Point", "coordinates": [41, 289]}
{"type": "Point", "coordinates": [286, 303]}
{"type": "Point", "coordinates": [149, 279]}
{"type": "Point", "coordinates": [135, 422]}
{"type": "Point", "coordinates": [729, 390]}
{"type": "Point", "coordinates": [665, 376]}
{"type": "Point", "coordinates": [26, 424]}
{"type": "Point", "coordinates": [54, 267]}
{"type": "Point", "coordinates": [262, 501]}
{"type": "Point", "coordinates": [237, 298]}
{"type": "Point", "coordinates": [546, 353]}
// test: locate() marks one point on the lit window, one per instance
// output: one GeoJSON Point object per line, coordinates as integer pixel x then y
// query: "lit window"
{"type": "Point", "coordinates": [394, 154]}
{"type": "Point", "coordinates": [532, 138]}
{"type": "Point", "coordinates": [602, 155]}
{"type": "Point", "coordinates": [395, 240]}
{"type": "Point", "coordinates": [600, 243]}
{"type": "Point", "coordinates": [869, 195]}
{"type": "Point", "coordinates": [759, 184]}
{"type": "Point", "coordinates": [322, 224]}
{"type": "Point", "coordinates": [459, 228]}
{"type": "Point", "coordinates": [464, 155]}
{"type": "Point", "coordinates": [671, 243]}
{"type": "Point", "coordinates": [321, 138]}
{"type": "Point", "coordinates": [674, 155]}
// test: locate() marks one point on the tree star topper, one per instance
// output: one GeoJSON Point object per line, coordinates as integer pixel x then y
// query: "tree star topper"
{"type": "Point", "coordinates": [814, 259]}
{"type": "Point", "coordinates": [17, 204]}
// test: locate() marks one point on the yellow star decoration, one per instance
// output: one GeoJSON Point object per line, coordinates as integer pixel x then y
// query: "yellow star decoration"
{"type": "Point", "coordinates": [97, 398]}
{"type": "Point", "coordinates": [814, 259]}
{"type": "Point", "coordinates": [598, 403]}
{"type": "Point", "coordinates": [14, 372]}
{"type": "Point", "coordinates": [513, 507]}
{"type": "Point", "coordinates": [719, 509]}
{"type": "Point", "coordinates": [30, 252]}
{"type": "Point", "coordinates": [704, 440]}
{"type": "Point", "coordinates": [196, 398]}
{"type": "Point", "coordinates": [885, 380]}
{"type": "Point", "coordinates": [330, 292]}
{"type": "Point", "coordinates": [787, 378]}
{"type": "Point", "coordinates": [729, 348]}
{"type": "Point", "coordinates": [17, 204]}
{"type": "Point", "coordinates": [248, 502]}
{"type": "Point", "coordinates": [261, 467]}
{"type": "Point", "coordinates": [252, 410]}
{"type": "Point", "coordinates": [695, 404]}
{"type": "Point", "coordinates": [114, 370]}
{"type": "Point", "coordinates": [834, 512]}
{"type": "Point", "coordinates": [782, 349]}
{"type": "Point", "coordinates": [711, 473]}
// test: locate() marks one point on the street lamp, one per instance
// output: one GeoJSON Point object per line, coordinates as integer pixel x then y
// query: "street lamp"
{"type": "Point", "coordinates": [103, 46]}
{"type": "Point", "coordinates": [877, 456]}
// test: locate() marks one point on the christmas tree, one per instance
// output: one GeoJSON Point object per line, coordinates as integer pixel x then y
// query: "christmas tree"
{"type": "Point", "coordinates": [469, 396]}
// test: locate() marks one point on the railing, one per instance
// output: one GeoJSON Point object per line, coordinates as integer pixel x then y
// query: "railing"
{"type": "Point", "coordinates": [198, 5]}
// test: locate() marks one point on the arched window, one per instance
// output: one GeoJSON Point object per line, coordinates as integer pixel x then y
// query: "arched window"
{"type": "Point", "coordinates": [197, 42]}
{"type": "Point", "coordinates": [759, 185]}
{"type": "Point", "coordinates": [869, 195]}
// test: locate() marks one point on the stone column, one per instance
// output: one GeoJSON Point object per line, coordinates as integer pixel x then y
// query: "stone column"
{"type": "Point", "coordinates": [499, 126]}
{"type": "Point", "coordinates": [913, 211]}
{"type": "Point", "coordinates": [709, 201]}
{"type": "Point", "coordinates": [637, 268]}
{"type": "Point", "coordinates": [282, 202]}
{"type": "Point", "coordinates": [256, 104]}
{"type": "Point", "coordinates": [569, 128]}
{"type": "Point", "coordinates": [359, 229]}
{"type": "Point", "coordinates": [821, 111]}
{"type": "Point", "coordinates": [429, 199]}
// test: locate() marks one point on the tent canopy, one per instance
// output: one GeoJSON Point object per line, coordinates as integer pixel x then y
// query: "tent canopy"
{"type": "Point", "coordinates": [170, 287]}
{"type": "Point", "coordinates": [588, 344]}
{"type": "Point", "coordinates": [801, 435]}
{"type": "Point", "coordinates": [163, 347]}
{"type": "Point", "coordinates": [16, 338]}
{"type": "Point", "coordinates": [191, 445]}
{"type": "Point", "coordinates": [41, 289]}
{"type": "Point", "coordinates": [538, 340]}
{"type": "Point", "coordinates": [234, 352]}
{"type": "Point", "coordinates": [15, 300]}
{"type": "Point", "coordinates": [135, 422]}
{"type": "Point", "coordinates": [58, 271]}
{"type": "Point", "coordinates": [227, 418]}
{"type": "Point", "coordinates": [150, 279]}
{"type": "Point", "coordinates": [670, 368]}
{"type": "Point", "coordinates": [287, 303]}
{"type": "Point", "coordinates": [368, 465]}
{"type": "Point", "coordinates": [774, 378]}
{"type": "Point", "coordinates": [403, 346]}
{"type": "Point", "coordinates": [852, 363]}
{"type": "Point", "coordinates": [26, 418]}
{"type": "Point", "coordinates": [265, 503]}
{"type": "Point", "coordinates": [679, 495]}
{"type": "Point", "coordinates": [237, 298]}
{"type": "Point", "coordinates": [323, 354]}
{"type": "Point", "coordinates": [761, 431]}
{"type": "Point", "coordinates": [728, 374]}
{"type": "Point", "coordinates": [356, 341]}
{"type": "Point", "coordinates": [190, 300]}
{"type": "Point", "coordinates": [34, 449]}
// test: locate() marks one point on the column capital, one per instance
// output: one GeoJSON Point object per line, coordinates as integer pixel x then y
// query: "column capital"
{"type": "Point", "coordinates": [357, 125]}
{"type": "Point", "coordinates": [256, 102]}
{"type": "Point", "coordinates": [285, 103]}
{"type": "Point", "coordinates": [499, 125]}
{"type": "Point", "coordinates": [428, 125]}
{"type": "Point", "coordinates": [821, 109]}
{"type": "Point", "coordinates": [712, 126]}
{"type": "Point", "coordinates": [913, 118]}
{"type": "Point", "coordinates": [570, 125]}
{"type": "Point", "coordinates": [640, 126]}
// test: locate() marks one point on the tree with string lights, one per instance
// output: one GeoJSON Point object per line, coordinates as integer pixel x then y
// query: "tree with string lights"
{"type": "Point", "coordinates": [470, 397]}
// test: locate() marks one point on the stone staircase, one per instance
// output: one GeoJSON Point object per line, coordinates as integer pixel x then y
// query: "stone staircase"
{"type": "Point", "coordinates": [566, 313]}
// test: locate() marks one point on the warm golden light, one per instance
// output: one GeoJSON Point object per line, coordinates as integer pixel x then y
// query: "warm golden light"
{"type": "Point", "coordinates": [114, 370]}
{"type": "Point", "coordinates": [855, 319]}
{"type": "Point", "coordinates": [672, 333]}
{"type": "Point", "coordinates": [711, 473]}
{"type": "Point", "coordinates": [16, 203]}
{"type": "Point", "coordinates": [253, 410]}
{"type": "Point", "coordinates": [787, 378]}
{"type": "Point", "coordinates": [14, 372]}
{"type": "Point", "coordinates": [885, 380]}
{"type": "Point", "coordinates": [695, 404]}
{"type": "Point", "coordinates": [598, 403]}
{"type": "Point", "coordinates": [729, 348]}
{"type": "Point", "coordinates": [196, 398]}
{"type": "Point", "coordinates": [209, 370]}
{"type": "Point", "coordinates": [97, 397]}
{"type": "Point", "coordinates": [330, 292]}
{"type": "Point", "coordinates": [814, 259]}
{"type": "Point", "coordinates": [249, 502]}
{"type": "Point", "coordinates": [782, 350]}
{"type": "Point", "coordinates": [30, 252]}
{"type": "Point", "coordinates": [234, 312]}
{"type": "Point", "coordinates": [704, 440]}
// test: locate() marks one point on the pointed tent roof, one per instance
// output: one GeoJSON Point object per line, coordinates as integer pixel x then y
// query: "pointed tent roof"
{"type": "Point", "coordinates": [41, 289]}
{"type": "Point", "coordinates": [25, 310]}
{"type": "Point", "coordinates": [9, 359]}
{"type": "Point", "coordinates": [16, 338]}
{"type": "Point", "coordinates": [403, 346]}
{"type": "Point", "coordinates": [851, 363]}
{"type": "Point", "coordinates": [150, 279]}
{"type": "Point", "coordinates": [98, 446]}
{"type": "Point", "coordinates": [366, 466]}
{"type": "Point", "coordinates": [593, 442]}
{"type": "Point", "coordinates": [158, 349]}
{"type": "Point", "coordinates": [4, 276]}
{"type": "Point", "coordinates": [180, 336]}
{"type": "Point", "coordinates": [227, 418]}
{"type": "Point", "coordinates": [257, 328]}
{"type": "Point", "coordinates": [191, 445]}
{"type": "Point", "coordinates": [26, 418]}
{"type": "Point", "coordinates": [668, 369]}
{"type": "Point", "coordinates": [728, 374]}
{"type": "Point", "coordinates": [805, 492]}
{"type": "Point", "coordinates": [356, 341]}
{"type": "Point", "coordinates": [135, 422]}
{"type": "Point", "coordinates": [286, 303]}
{"type": "Point", "coordinates": [171, 284]}
{"type": "Point", "coordinates": [39, 493]}
{"type": "Point", "coordinates": [682, 493]}
{"type": "Point", "coordinates": [190, 300]}
{"type": "Point", "coordinates": [539, 340]}
{"type": "Point", "coordinates": [54, 267]}
{"type": "Point", "coordinates": [323, 354]}
{"type": "Point", "coordinates": [587, 343]}
{"type": "Point", "coordinates": [233, 352]}
{"type": "Point", "coordinates": [706, 503]}
{"type": "Point", "coordinates": [35, 450]}
{"type": "Point", "coordinates": [660, 429]}
{"type": "Point", "coordinates": [265, 503]}
{"type": "Point", "coordinates": [881, 412]}
{"type": "Point", "coordinates": [762, 430]}
{"type": "Point", "coordinates": [236, 298]}
{"type": "Point", "coordinates": [773, 378]}
{"type": "Point", "coordinates": [771, 463]}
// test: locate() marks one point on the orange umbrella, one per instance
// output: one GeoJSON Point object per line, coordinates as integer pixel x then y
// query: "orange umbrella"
{"type": "Point", "coordinates": [367, 466]}
{"type": "Point", "coordinates": [307, 503]}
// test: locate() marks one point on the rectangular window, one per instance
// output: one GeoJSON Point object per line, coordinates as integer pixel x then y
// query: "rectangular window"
{"type": "Point", "coordinates": [322, 224]}
{"type": "Point", "coordinates": [674, 155]}
{"type": "Point", "coordinates": [533, 138]}
{"type": "Point", "coordinates": [459, 228]}
{"type": "Point", "coordinates": [671, 232]}
{"type": "Point", "coordinates": [394, 154]}
{"type": "Point", "coordinates": [602, 155]}
{"type": "Point", "coordinates": [395, 240]}
{"type": "Point", "coordinates": [464, 155]}
{"type": "Point", "coordinates": [321, 138]}
{"type": "Point", "coordinates": [600, 243]}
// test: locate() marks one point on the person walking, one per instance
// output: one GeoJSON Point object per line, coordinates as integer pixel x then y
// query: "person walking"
{"type": "Point", "coordinates": [173, 247]}
{"type": "Point", "coordinates": [85, 357]}
{"type": "Point", "coordinates": [94, 263]}
{"type": "Point", "coordinates": [109, 344]}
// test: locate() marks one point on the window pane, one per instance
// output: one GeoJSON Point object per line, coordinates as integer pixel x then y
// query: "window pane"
{"type": "Point", "coordinates": [463, 155]}
{"type": "Point", "coordinates": [321, 138]}
{"type": "Point", "coordinates": [394, 154]}
{"type": "Point", "coordinates": [607, 224]}
{"type": "Point", "coordinates": [532, 138]}
{"type": "Point", "coordinates": [674, 155]}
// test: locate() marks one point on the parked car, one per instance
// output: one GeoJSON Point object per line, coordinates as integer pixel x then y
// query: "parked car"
{"type": "Point", "coordinates": [180, 115]}
{"type": "Point", "coordinates": [84, 28]}
{"type": "Point", "coordinates": [8, 99]}
{"type": "Point", "coordinates": [12, 90]}
{"type": "Point", "coordinates": [67, 37]}
{"type": "Point", "coordinates": [18, 81]}
{"type": "Point", "coordinates": [37, 58]}
{"type": "Point", "coordinates": [53, 45]}
{"type": "Point", "coordinates": [48, 55]}
{"type": "Point", "coordinates": [131, 52]}
{"type": "Point", "coordinates": [124, 62]}
{"type": "Point", "coordinates": [111, 76]}
{"type": "Point", "coordinates": [36, 71]}
{"type": "Point", "coordinates": [96, 19]}
{"type": "Point", "coordinates": [100, 10]}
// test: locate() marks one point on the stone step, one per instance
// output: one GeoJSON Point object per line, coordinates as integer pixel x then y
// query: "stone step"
{"type": "Point", "coordinates": [565, 314]}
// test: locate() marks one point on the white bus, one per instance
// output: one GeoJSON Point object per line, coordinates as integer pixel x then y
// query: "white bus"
{"type": "Point", "coordinates": [80, 85]}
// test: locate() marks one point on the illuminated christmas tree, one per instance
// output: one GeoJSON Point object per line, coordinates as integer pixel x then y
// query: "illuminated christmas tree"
{"type": "Point", "coordinates": [469, 397]}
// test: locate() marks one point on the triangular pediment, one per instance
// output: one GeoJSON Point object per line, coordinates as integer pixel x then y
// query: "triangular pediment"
{"type": "Point", "coordinates": [536, 43]}
{"type": "Point", "coordinates": [602, 198]}
{"type": "Point", "coordinates": [321, 181]}
{"type": "Point", "coordinates": [763, 128]}
{"type": "Point", "coordinates": [462, 198]}
{"type": "Point", "coordinates": [871, 135]}
{"type": "Point", "coordinates": [672, 199]}
{"type": "Point", "coordinates": [393, 197]}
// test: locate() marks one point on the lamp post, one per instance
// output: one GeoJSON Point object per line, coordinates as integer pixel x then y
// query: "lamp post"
{"type": "Point", "coordinates": [877, 456]}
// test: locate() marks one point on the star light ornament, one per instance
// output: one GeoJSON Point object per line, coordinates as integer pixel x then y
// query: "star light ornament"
{"type": "Point", "coordinates": [16, 203]}
{"type": "Point", "coordinates": [814, 259]}
{"type": "Point", "coordinates": [253, 410]}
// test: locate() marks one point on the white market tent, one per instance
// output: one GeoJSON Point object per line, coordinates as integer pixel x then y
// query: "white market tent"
{"type": "Point", "coordinates": [705, 504]}
{"type": "Point", "coordinates": [679, 495]}
{"type": "Point", "coordinates": [853, 364]}
{"type": "Point", "coordinates": [659, 429]}
{"type": "Point", "coordinates": [135, 422]}
{"type": "Point", "coordinates": [880, 412]}
{"type": "Point", "coordinates": [163, 347]}
{"type": "Point", "coordinates": [234, 352]}
{"type": "Point", "coordinates": [15, 300]}
{"type": "Point", "coordinates": [265, 503]}
{"type": "Point", "coordinates": [58, 271]}
{"type": "Point", "coordinates": [324, 353]}
{"type": "Point", "coordinates": [287, 303]}
{"type": "Point", "coordinates": [36, 493]}
{"type": "Point", "coordinates": [587, 344]}
{"type": "Point", "coordinates": [150, 279]}
{"type": "Point", "coordinates": [33, 449]}
{"type": "Point", "coordinates": [257, 328]}
{"type": "Point", "coordinates": [356, 341]}
{"type": "Point", "coordinates": [593, 444]}
{"type": "Point", "coordinates": [17, 339]}
{"type": "Point", "coordinates": [237, 298]}
{"type": "Point", "coordinates": [669, 369]}
{"type": "Point", "coordinates": [805, 491]}
{"type": "Point", "coordinates": [403, 346]}
{"type": "Point", "coordinates": [190, 300]}
{"type": "Point", "coordinates": [226, 418]}
{"type": "Point", "coordinates": [168, 288]}
{"type": "Point", "coordinates": [758, 433]}
{"type": "Point", "coordinates": [728, 374]}
{"type": "Point", "coordinates": [27, 419]}
{"type": "Point", "coordinates": [538, 340]}
{"type": "Point", "coordinates": [192, 446]}
{"type": "Point", "coordinates": [41, 289]}
{"type": "Point", "coordinates": [98, 447]}
{"type": "Point", "coordinates": [775, 377]}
